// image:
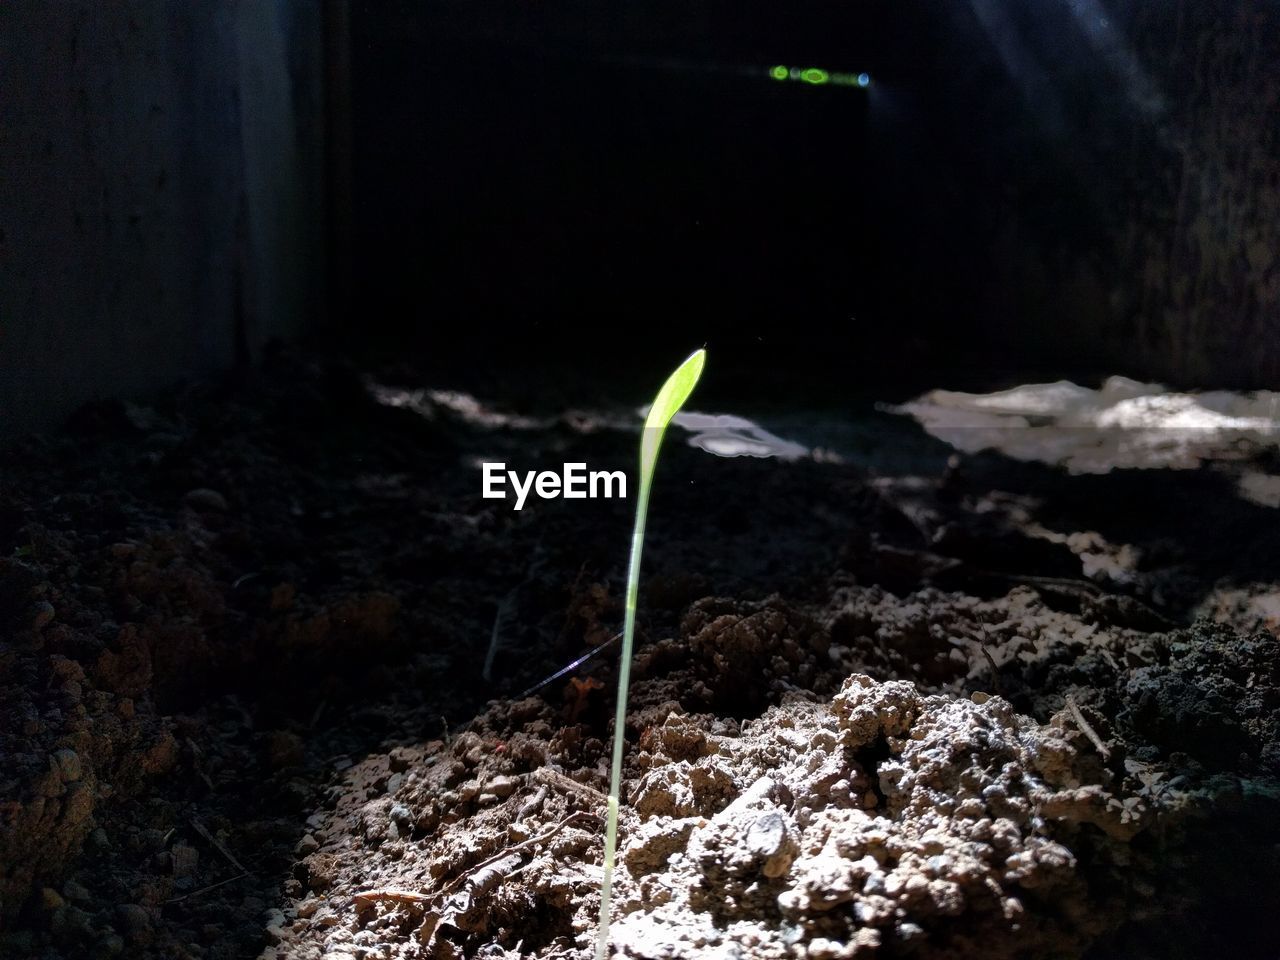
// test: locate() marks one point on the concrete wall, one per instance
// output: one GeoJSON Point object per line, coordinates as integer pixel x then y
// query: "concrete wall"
{"type": "Point", "coordinates": [1128, 156]}
{"type": "Point", "coordinates": [161, 178]}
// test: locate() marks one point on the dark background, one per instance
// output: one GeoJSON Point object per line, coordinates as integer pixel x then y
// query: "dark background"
{"type": "Point", "coordinates": [1017, 192]}
{"type": "Point", "coordinates": [1037, 188]}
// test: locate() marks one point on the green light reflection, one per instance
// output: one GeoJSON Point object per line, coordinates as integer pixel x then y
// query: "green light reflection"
{"type": "Point", "coordinates": [816, 76]}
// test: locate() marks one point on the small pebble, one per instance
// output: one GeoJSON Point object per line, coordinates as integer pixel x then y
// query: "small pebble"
{"type": "Point", "coordinates": [284, 749]}
{"type": "Point", "coordinates": [274, 926]}
{"type": "Point", "coordinates": [910, 931]}
{"type": "Point", "coordinates": [70, 924]}
{"type": "Point", "coordinates": [41, 614]}
{"type": "Point", "coordinates": [502, 786]}
{"type": "Point", "coordinates": [68, 762]}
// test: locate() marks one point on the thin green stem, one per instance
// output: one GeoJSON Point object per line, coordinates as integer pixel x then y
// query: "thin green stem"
{"type": "Point", "coordinates": [665, 406]}
{"type": "Point", "coordinates": [620, 716]}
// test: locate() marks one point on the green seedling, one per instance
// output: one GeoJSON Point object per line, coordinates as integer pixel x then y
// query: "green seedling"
{"type": "Point", "coordinates": [665, 406]}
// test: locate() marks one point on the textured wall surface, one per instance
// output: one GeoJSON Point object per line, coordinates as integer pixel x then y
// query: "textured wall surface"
{"type": "Point", "coordinates": [160, 199]}
{"type": "Point", "coordinates": [1036, 187]}
{"type": "Point", "coordinates": [1128, 151]}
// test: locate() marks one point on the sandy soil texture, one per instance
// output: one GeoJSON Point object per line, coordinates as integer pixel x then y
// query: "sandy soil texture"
{"type": "Point", "coordinates": [961, 708]}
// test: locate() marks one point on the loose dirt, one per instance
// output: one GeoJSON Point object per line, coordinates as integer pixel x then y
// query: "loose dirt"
{"type": "Point", "coordinates": [972, 708]}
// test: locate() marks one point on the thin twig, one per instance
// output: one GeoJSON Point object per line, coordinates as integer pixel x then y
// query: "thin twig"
{"type": "Point", "coordinates": [1087, 730]}
{"type": "Point", "coordinates": [367, 898]}
{"type": "Point", "coordinates": [196, 754]}
{"type": "Point", "coordinates": [522, 845]}
{"type": "Point", "coordinates": [571, 666]}
{"type": "Point", "coordinates": [201, 829]}
{"type": "Point", "coordinates": [554, 778]}
{"type": "Point", "coordinates": [212, 886]}
{"type": "Point", "coordinates": [995, 670]}
{"type": "Point", "coordinates": [991, 661]}
{"type": "Point", "coordinates": [533, 804]}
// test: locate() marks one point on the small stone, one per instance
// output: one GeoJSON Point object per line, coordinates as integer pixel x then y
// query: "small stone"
{"type": "Point", "coordinates": [296, 793]}
{"type": "Point", "coordinates": [321, 871]}
{"type": "Point", "coordinates": [307, 846]}
{"type": "Point", "coordinates": [910, 931]}
{"type": "Point", "coordinates": [50, 899]}
{"type": "Point", "coordinates": [76, 892]}
{"type": "Point", "coordinates": [99, 840]}
{"type": "Point", "coordinates": [285, 749]}
{"type": "Point", "coordinates": [70, 924]}
{"type": "Point", "coordinates": [202, 498]}
{"type": "Point", "coordinates": [766, 834]}
{"type": "Point", "coordinates": [68, 762]}
{"type": "Point", "coordinates": [134, 922]}
{"type": "Point", "coordinates": [274, 926]}
{"type": "Point", "coordinates": [502, 786]}
{"type": "Point", "coordinates": [42, 614]}
{"type": "Point", "coordinates": [110, 945]}
{"type": "Point", "coordinates": [979, 697]}
{"type": "Point", "coordinates": [78, 805]}
{"type": "Point", "coordinates": [307, 908]}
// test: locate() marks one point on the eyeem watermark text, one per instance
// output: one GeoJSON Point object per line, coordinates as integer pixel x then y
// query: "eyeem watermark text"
{"type": "Point", "coordinates": [573, 482]}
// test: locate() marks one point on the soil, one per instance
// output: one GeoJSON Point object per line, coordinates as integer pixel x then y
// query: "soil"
{"type": "Point", "coordinates": [267, 654]}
